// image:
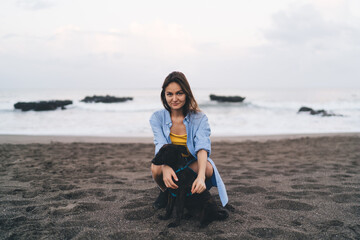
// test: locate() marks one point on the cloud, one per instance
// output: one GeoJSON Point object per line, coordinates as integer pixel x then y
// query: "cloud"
{"type": "Point", "coordinates": [299, 26]}
{"type": "Point", "coordinates": [305, 27]}
{"type": "Point", "coordinates": [300, 47]}
{"type": "Point", "coordinates": [305, 49]}
{"type": "Point", "coordinates": [74, 55]}
{"type": "Point", "coordinates": [161, 39]}
{"type": "Point", "coordinates": [35, 4]}
{"type": "Point", "coordinates": [156, 40]}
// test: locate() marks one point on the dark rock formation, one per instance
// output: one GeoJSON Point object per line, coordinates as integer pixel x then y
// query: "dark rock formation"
{"type": "Point", "coordinates": [321, 112]}
{"type": "Point", "coordinates": [226, 98]}
{"type": "Point", "coordinates": [42, 105]}
{"type": "Point", "coordinates": [105, 99]}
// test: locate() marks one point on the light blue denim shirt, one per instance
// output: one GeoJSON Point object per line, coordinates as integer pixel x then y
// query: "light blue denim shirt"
{"type": "Point", "coordinates": [198, 137]}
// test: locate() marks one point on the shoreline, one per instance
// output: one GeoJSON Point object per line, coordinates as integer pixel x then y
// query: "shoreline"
{"type": "Point", "coordinates": [46, 139]}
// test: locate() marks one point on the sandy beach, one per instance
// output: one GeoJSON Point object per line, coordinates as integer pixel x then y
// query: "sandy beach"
{"type": "Point", "coordinates": [292, 187]}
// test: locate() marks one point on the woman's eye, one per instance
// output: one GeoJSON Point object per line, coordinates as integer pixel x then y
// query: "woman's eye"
{"type": "Point", "coordinates": [168, 94]}
{"type": "Point", "coordinates": [180, 93]}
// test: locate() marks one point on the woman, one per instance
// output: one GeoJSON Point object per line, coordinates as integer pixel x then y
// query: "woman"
{"type": "Point", "coordinates": [182, 123]}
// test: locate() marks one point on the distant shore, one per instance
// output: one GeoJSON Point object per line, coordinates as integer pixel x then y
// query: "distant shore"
{"type": "Point", "coordinates": [25, 139]}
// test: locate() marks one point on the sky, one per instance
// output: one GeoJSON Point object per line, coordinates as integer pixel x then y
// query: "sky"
{"type": "Point", "coordinates": [216, 44]}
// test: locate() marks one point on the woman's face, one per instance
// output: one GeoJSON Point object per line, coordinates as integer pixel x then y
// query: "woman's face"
{"type": "Point", "coordinates": [175, 96]}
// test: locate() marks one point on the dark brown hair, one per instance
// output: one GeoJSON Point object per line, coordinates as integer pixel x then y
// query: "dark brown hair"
{"type": "Point", "coordinates": [190, 103]}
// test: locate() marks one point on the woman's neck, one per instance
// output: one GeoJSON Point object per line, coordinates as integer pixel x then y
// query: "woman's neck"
{"type": "Point", "coordinates": [177, 114]}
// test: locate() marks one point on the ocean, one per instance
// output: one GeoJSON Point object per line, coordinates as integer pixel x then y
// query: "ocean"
{"type": "Point", "coordinates": [263, 112]}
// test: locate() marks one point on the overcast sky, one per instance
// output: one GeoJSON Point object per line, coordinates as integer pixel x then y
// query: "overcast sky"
{"type": "Point", "coordinates": [217, 44]}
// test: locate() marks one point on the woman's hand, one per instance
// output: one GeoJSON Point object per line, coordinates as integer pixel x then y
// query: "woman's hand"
{"type": "Point", "coordinates": [198, 185]}
{"type": "Point", "coordinates": [168, 176]}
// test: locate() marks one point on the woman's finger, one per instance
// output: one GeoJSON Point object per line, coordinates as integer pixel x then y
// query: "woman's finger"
{"type": "Point", "coordinates": [171, 184]}
{"type": "Point", "coordinates": [197, 187]}
{"type": "Point", "coordinates": [173, 174]}
{"type": "Point", "coordinates": [194, 188]}
{"type": "Point", "coordinates": [201, 189]}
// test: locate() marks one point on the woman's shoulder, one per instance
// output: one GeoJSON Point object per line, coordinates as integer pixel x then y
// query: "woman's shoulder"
{"type": "Point", "coordinates": [159, 111]}
{"type": "Point", "coordinates": [159, 114]}
{"type": "Point", "coordinates": [197, 116]}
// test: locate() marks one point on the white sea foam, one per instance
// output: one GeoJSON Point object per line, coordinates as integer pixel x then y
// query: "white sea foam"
{"type": "Point", "coordinates": [263, 112]}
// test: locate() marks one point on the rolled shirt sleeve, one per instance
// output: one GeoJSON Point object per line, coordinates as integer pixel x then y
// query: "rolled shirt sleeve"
{"type": "Point", "coordinates": [202, 136]}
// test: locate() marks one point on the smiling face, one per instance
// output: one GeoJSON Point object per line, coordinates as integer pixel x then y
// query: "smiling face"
{"type": "Point", "coordinates": [175, 96]}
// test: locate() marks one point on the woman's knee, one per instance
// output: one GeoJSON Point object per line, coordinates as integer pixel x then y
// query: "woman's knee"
{"type": "Point", "coordinates": [209, 170]}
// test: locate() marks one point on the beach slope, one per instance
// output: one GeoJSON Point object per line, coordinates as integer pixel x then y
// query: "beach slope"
{"type": "Point", "coordinates": [301, 188]}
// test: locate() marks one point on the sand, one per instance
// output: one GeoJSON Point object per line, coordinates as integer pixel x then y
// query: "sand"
{"type": "Point", "coordinates": [283, 188]}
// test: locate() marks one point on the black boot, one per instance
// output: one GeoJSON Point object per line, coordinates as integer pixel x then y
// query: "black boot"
{"type": "Point", "coordinates": [161, 200]}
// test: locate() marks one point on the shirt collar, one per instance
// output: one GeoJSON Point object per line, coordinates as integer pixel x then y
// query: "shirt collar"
{"type": "Point", "coordinates": [168, 118]}
{"type": "Point", "coordinates": [187, 118]}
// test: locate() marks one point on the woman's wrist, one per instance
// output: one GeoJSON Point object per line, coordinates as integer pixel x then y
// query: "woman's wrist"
{"type": "Point", "coordinates": [201, 176]}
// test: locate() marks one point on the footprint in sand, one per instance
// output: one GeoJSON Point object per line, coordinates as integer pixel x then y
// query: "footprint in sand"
{"type": "Point", "coordinates": [296, 223]}
{"type": "Point", "coordinates": [74, 195]}
{"type": "Point", "coordinates": [131, 235]}
{"type": "Point", "coordinates": [79, 194]}
{"type": "Point", "coordinates": [250, 190]}
{"type": "Point", "coordinates": [7, 224]}
{"type": "Point", "coordinates": [276, 233]}
{"type": "Point", "coordinates": [140, 214]}
{"type": "Point", "coordinates": [355, 210]}
{"type": "Point", "coordinates": [87, 207]}
{"type": "Point", "coordinates": [302, 194]}
{"type": "Point", "coordinates": [109, 199]}
{"type": "Point", "coordinates": [77, 208]}
{"type": "Point", "coordinates": [31, 194]}
{"type": "Point", "coordinates": [118, 182]}
{"type": "Point", "coordinates": [16, 203]}
{"type": "Point", "coordinates": [245, 176]}
{"type": "Point", "coordinates": [29, 208]}
{"type": "Point", "coordinates": [324, 226]}
{"type": "Point", "coordinates": [309, 186]}
{"type": "Point", "coordinates": [134, 205]}
{"type": "Point", "coordinates": [346, 198]}
{"type": "Point", "coordinates": [89, 234]}
{"type": "Point", "coordinates": [64, 187]}
{"type": "Point", "coordinates": [355, 229]}
{"type": "Point", "coordinates": [341, 176]}
{"type": "Point", "coordinates": [266, 232]}
{"type": "Point", "coordinates": [309, 180]}
{"type": "Point", "coordinates": [14, 192]}
{"type": "Point", "coordinates": [270, 197]}
{"type": "Point", "coordinates": [256, 218]}
{"type": "Point", "coordinates": [237, 203]}
{"type": "Point", "coordinates": [289, 205]}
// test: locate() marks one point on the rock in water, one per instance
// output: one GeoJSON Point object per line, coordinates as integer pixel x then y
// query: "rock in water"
{"type": "Point", "coordinates": [214, 97]}
{"type": "Point", "coordinates": [42, 105]}
{"type": "Point", "coordinates": [321, 112]}
{"type": "Point", "coordinates": [105, 99]}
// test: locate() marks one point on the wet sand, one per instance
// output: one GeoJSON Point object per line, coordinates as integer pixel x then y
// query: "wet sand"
{"type": "Point", "coordinates": [283, 188]}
